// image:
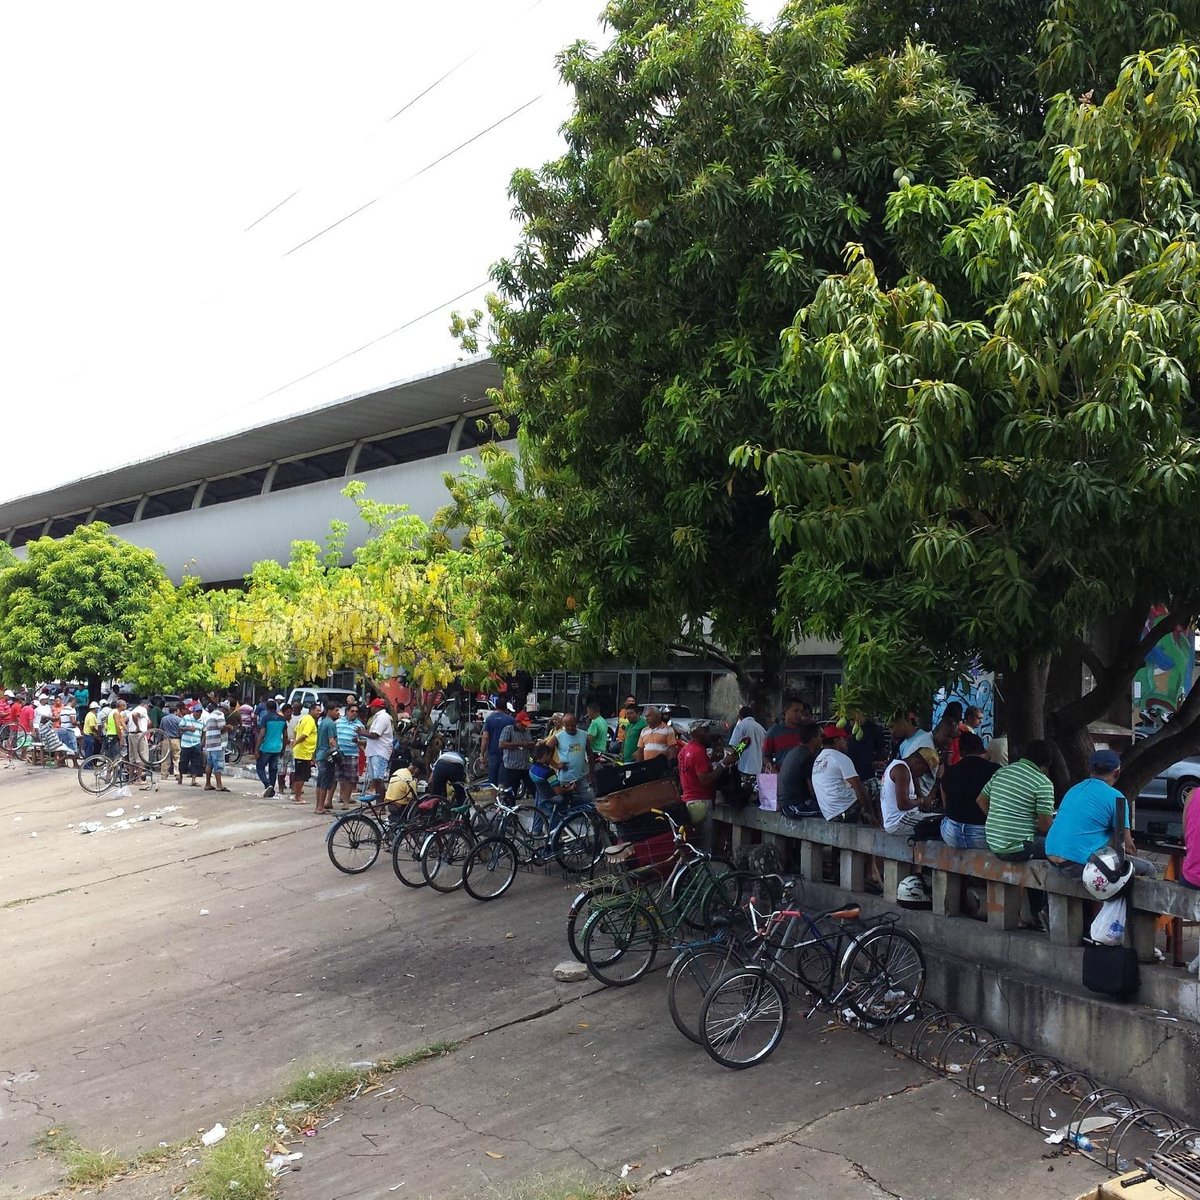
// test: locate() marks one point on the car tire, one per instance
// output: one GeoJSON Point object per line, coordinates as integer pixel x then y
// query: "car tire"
{"type": "Point", "coordinates": [1184, 786]}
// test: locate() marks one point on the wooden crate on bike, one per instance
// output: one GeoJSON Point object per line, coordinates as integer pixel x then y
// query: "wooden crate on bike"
{"type": "Point", "coordinates": [637, 800]}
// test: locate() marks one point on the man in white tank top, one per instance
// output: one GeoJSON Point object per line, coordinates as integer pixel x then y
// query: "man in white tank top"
{"type": "Point", "coordinates": [900, 796]}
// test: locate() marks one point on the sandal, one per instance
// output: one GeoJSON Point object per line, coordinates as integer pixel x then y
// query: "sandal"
{"type": "Point", "coordinates": [208, 787]}
{"type": "Point", "coordinates": [222, 789]}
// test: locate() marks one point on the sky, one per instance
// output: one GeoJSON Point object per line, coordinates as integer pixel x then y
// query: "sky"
{"type": "Point", "coordinates": [178, 258]}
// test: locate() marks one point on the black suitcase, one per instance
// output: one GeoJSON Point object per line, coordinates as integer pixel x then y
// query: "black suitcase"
{"type": "Point", "coordinates": [616, 777]}
{"type": "Point", "coordinates": [1111, 970]}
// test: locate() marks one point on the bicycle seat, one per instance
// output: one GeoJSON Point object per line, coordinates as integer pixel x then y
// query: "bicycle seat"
{"type": "Point", "coordinates": [850, 913]}
{"type": "Point", "coordinates": [430, 804]}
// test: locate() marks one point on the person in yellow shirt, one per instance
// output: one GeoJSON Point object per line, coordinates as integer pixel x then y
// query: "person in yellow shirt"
{"type": "Point", "coordinates": [304, 747]}
{"type": "Point", "coordinates": [90, 732]}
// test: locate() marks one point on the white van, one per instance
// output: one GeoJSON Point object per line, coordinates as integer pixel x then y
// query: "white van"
{"type": "Point", "coordinates": [304, 696]}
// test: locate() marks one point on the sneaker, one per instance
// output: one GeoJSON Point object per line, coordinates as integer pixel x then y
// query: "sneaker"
{"type": "Point", "coordinates": [269, 794]}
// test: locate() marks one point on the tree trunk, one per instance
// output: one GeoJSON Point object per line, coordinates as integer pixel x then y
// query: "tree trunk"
{"type": "Point", "coordinates": [765, 692]}
{"type": "Point", "coordinates": [1025, 701]}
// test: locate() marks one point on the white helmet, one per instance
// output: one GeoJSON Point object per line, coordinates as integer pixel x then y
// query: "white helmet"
{"type": "Point", "coordinates": [911, 892]}
{"type": "Point", "coordinates": [1104, 874]}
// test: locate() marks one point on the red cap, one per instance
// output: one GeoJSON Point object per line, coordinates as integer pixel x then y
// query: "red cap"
{"type": "Point", "coordinates": [377, 703]}
{"type": "Point", "coordinates": [834, 731]}
{"type": "Point", "coordinates": [522, 717]}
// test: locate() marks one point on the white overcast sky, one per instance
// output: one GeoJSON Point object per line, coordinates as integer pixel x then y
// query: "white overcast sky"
{"type": "Point", "coordinates": [141, 141]}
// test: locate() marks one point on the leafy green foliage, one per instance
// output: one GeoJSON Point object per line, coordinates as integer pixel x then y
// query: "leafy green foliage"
{"type": "Point", "coordinates": [714, 171]}
{"type": "Point", "coordinates": [71, 607]}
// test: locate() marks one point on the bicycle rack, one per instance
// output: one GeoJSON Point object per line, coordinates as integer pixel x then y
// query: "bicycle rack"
{"type": "Point", "coordinates": [1105, 1124]}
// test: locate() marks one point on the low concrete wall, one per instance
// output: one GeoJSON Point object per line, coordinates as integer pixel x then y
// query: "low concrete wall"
{"type": "Point", "coordinates": [1018, 983]}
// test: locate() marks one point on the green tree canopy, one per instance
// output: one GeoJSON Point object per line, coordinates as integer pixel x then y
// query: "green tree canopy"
{"type": "Point", "coordinates": [1012, 472]}
{"type": "Point", "coordinates": [714, 172]}
{"type": "Point", "coordinates": [70, 608]}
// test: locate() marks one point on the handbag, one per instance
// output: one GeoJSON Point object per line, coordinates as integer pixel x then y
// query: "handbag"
{"type": "Point", "coordinates": [1111, 971]}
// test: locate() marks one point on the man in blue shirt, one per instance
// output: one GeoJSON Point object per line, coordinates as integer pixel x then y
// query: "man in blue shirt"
{"type": "Point", "coordinates": [325, 755]}
{"type": "Point", "coordinates": [351, 736]}
{"type": "Point", "coordinates": [272, 738]}
{"type": "Point", "coordinates": [490, 754]}
{"type": "Point", "coordinates": [574, 762]}
{"type": "Point", "coordinates": [1087, 819]}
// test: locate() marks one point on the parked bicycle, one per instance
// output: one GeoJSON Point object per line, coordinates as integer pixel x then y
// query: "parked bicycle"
{"type": "Point", "coordinates": [874, 969]}
{"type": "Point", "coordinates": [572, 838]}
{"type": "Point", "coordinates": [621, 937]}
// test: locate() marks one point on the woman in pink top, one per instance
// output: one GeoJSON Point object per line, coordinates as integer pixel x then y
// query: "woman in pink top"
{"type": "Point", "coordinates": [1189, 875]}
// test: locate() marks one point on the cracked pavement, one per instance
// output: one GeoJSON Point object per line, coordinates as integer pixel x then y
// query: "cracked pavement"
{"type": "Point", "coordinates": [130, 1018]}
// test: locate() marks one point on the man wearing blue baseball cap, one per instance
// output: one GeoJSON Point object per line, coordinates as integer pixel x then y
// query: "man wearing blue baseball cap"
{"type": "Point", "coordinates": [1087, 819]}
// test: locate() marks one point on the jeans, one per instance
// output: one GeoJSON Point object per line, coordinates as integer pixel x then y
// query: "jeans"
{"type": "Point", "coordinates": [89, 745]}
{"type": "Point", "coordinates": [1141, 866]}
{"type": "Point", "coordinates": [963, 836]}
{"type": "Point", "coordinates": [112, 745]}
{"type": "Point", "coordinates": [67, 737]}
{"type": "Point", "coordinates": [267, 767]}
{"type": "Point", "coordinates": [494, 764]}
{"type": "Point", "coordinates": [513, 777]}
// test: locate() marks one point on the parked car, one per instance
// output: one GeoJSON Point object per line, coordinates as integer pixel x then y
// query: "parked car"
{"type": "Point", "coordinates": [323, 695]}
{"type": "Point", "coordinates": [1159, 809]}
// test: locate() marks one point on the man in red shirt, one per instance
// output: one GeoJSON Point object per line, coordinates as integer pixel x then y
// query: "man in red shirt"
{"type": "Point", "coordinates": [699, 775]}
{"type": "Point", "coordinates": [25, 715]}
{"type": "Point", "coordinates": [785, 735]}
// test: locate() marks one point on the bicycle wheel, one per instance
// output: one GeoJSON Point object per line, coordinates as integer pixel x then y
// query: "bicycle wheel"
{"type": "Point", "coordinates": [157, 748]}
{"type": "Point", "coordinates": [233, 753]}
{"type": "Point", "coordinates": [620, 943]}
{"type": "Point", "coordinates": [489, 869]}
{"type": "Point", "coordinates": [743, 1017]}
{"type": "Point", "coordinates": [883, 975]}
{"type": "Point", "coordinates": [690, 976]}
{"type": "Point", "coordinates": [96, 774]}
{"type": "Point", "coordinates": [406, 855]}
{"type": "Point", "coordinates": [518, 827]}
{"type": "Point", "coordinates": [575, 844]}
{"type": "Point", "coordinates": [716, 868]}
{"type": "Point", "coordinates": [442, 858]}
{"type": "Point", "coordinates": [353, 843]}
{"type": "Point", "coordinates": [580, 910]}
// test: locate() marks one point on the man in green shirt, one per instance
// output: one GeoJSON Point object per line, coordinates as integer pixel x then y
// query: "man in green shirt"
{"type": "Point", "coordinates": [1018, 802]}
{"type": "Point", "coordinates": [634, 724]}
{"type": "Point", "coordinates": [597, 730]}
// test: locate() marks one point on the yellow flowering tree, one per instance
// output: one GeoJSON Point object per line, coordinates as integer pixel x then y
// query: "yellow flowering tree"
{"type": "Point", "coordinates": [410, 598]}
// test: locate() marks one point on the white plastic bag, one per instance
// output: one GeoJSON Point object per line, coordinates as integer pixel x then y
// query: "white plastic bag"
{"type": "Point", "coordinates": [1108, 926]}
{"type": "Point", "coordinates": [767, 792]}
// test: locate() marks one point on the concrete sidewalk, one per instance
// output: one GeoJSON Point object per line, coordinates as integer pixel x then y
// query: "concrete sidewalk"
{"type": "Point", "coordinates": [159, 979]}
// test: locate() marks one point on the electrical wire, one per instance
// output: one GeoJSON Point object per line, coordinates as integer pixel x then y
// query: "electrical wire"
{"type": "Point", "coordinates": [415, 175]}
{"type": "Point", "coordinates": [374, 341]}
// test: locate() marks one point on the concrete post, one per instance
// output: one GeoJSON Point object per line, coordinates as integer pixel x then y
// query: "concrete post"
{"type": "Point", "coordinates": [1066, 919]}
{"type": "Point", "coordinates": [947, 893]}
{"type": "Point", "coordinates": [1003, 905]}
{"type": "Point", "coordinates": [812, 861]}
{"type": "Point", "coordinates": [853, 870]}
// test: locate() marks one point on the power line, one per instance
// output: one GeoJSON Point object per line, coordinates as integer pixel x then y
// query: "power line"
{"type": "Point", "coordinates": [374, 341]}
{"type": "Point", "coordinates": [416, 174]}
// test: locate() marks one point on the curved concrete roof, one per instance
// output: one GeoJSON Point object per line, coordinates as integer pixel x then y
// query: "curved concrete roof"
{"type": "Point", "coordinates": [441, 394]}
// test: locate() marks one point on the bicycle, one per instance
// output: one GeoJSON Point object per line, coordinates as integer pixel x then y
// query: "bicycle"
{"type": "Point", "coordinates": [98, 773]}
{"type": "Point", "coordinates": [622, 934]}
{"type": "Point", "coordinates": [573, 841]}
{"type": "Point", "coordinates": [358, 836]}
{"type": "Point", "coordinates": [879, 970]}
{"type": "Point", "coordinates": [445, 847]}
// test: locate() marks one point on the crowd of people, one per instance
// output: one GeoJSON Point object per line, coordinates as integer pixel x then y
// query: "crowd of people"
{"type": "Point", "coordinates": [944, 783]}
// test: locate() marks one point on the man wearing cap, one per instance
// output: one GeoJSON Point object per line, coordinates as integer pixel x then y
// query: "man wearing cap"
{"type": "Point", "coordinates": [1086, 821]}
{"type": "Point", "coordinates": [516, 743]}
{"type": "Point", "coordinates": [900, 800]}
{"type": "Point", "coordinates": [698, 774]}
{"type": "Point", "coordinates": [90, 739]}
{"type": "Point", "coordinates": [381, 738]}
{"type": "Point", "coordinates": [835, 781]}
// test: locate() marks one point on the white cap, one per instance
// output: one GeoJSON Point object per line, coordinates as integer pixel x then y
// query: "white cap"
{"type": "Point", "coordinates": [9, 694]}
{"type": "Point", "coordinates": [278, 697]}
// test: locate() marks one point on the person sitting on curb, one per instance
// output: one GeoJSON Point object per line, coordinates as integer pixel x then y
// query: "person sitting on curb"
{"type": "Point", "coordinates": [900, 800]}
{"type": "Point", "coordinates": [1086, 821]}
{"type": "Point", "coordinates": [963, 826]}
{"type": "Point", "coordinates": [1018, 804]}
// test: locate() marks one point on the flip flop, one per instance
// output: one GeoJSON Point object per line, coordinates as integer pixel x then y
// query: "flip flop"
{"type": "Point", "coordinates": [221, 789]}
{"type": "Point", "coordinates": [207, 788]}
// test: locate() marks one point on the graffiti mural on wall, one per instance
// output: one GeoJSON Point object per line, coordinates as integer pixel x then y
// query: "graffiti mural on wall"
{"type": "Point", "coordinates": [977, 690]}
{"type": "Point", "coordinates": [1160, 686]}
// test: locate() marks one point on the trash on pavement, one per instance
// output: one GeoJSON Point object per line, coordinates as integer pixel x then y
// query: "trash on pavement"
{"type": "Point", "coordinates": [181, 822]}
{"type": "Point", "coordinates": [278, 1163]}
{"type": "Point", "coordinates": [116, 812]}
{"type": "Point", "coordinates": [204, 912]}
{"type": "Point", "coordinates": [90, 826]}
{"type": "Point", "coordinates": [214, 1135]}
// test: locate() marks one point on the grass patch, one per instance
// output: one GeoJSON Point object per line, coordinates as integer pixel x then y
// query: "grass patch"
{"type": "Point", "coordinates": [239, 1157]}
{"type": "Point", "coordinates": [84, 1166]}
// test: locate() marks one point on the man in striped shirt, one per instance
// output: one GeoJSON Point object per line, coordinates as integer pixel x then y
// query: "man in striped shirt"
{"type": "Point", "coordinates": [1018, 802]}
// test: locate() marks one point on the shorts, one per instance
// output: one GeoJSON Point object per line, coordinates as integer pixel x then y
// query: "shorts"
{"type": "Point", "coordinates": [325, 774]}
{"type": "Point", "coordinates": [139, 751]}
{"type": "Point", "coordinates": [189, 761]}
{"type": "Point", "coordinates": [214, 760]}
{"type": "Point", "coordinates": [377, 768]}
{"type": "Point", "coordinates": [302, 770]}
{"type": "Point", "coordinates": [346, 769]}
